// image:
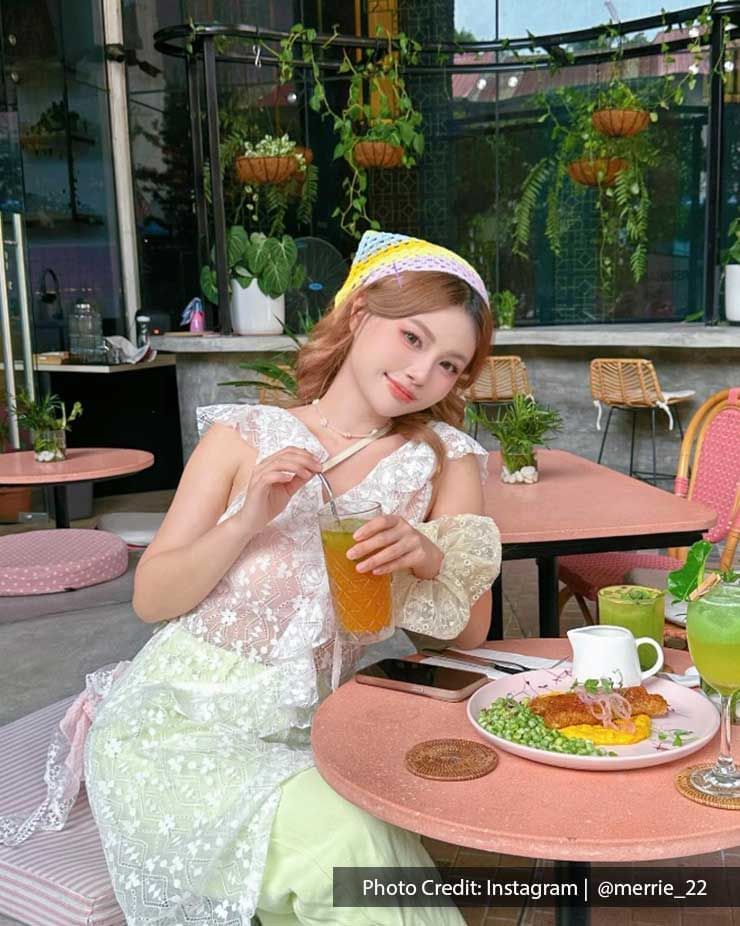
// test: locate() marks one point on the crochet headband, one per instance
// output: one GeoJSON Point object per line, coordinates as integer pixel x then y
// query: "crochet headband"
{"type": "Point", "coordinates": [382, 254]}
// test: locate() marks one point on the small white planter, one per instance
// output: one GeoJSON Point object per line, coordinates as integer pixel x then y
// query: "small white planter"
{"type": "Point", "coordinates": [527, 475]}
{"type": "Point", "coordinates": [732, 294]}
{"type": "Point", "coordinates": [252, 312]}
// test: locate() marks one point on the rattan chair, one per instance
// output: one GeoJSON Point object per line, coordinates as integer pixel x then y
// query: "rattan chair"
{"type": "Point", "coordinates": [632, 386]}
{"type": "Point", "coordinates": [708, 472]}
{"type": "Point", "coordinates": [499, 381]}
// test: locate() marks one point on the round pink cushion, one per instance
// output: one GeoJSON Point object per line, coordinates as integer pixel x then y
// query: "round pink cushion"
{"type": "Point", "coordinates": [41, 562]}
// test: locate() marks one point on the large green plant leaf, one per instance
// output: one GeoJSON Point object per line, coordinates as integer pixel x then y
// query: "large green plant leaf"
{"type": "Point", "coordinates": [272, 261]}
{"type": "Point", "coordinates": [682, 582]}
{"type": "Point", "coordinates": [236, 245]}
{"type": "Point", "coordinates": [208, 284]}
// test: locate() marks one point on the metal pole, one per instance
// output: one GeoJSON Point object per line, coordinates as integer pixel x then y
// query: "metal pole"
{"type": "Point", "coordinates": [192, 74]}
{"type": "Point", "coordinates": [714, 173]}
{"type": "Point", "coordinates": [217, 191]}
{"type": "Point", "coordinates": [26, 333]}
{"type": "Point", "coordinates": [5, 337]}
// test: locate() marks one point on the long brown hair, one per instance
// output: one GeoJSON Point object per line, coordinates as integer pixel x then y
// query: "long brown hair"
{"type": "Point", "coordinates": [396, 296]}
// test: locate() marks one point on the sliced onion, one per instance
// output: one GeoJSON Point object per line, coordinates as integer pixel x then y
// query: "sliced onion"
{"type": "Point", "coordinates": [608, 708]}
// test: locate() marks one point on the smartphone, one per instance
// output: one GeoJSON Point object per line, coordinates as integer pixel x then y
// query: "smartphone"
{"type": "Point", "coordinates": [422, 679]}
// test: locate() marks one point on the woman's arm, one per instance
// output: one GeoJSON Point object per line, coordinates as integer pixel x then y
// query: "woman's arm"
{"type": "Point", "coordinates": [191, 552]}
{"type": "Point", "coordinates": [442, 565]}
{"type": "Point", "coordinates": [460, 492]}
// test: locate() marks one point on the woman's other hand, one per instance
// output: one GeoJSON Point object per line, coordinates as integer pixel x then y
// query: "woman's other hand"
{"type": "Point", "coordinates": [390, 543]}
{"type": "Point", "coordinates": [274, 481]}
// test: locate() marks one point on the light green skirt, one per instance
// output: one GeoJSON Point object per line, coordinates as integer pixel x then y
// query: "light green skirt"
{"type": "Point", "coordinates": [199, 775]}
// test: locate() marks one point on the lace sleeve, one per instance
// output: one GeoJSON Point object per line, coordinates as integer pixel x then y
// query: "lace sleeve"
{"type": "Point", "coordinates": [458, 444]}
{"type": "Point", "coordinates": [440, 607]}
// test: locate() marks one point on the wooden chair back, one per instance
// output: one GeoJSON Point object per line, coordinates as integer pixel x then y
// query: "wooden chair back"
{"type": "Point", "coordinates": [501, 378]}
{"type": "Point", "coordinates": [627, 382]}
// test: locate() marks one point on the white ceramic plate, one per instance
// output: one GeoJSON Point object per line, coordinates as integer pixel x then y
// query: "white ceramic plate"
{"type": "Point", "coordinates": [689, 710]}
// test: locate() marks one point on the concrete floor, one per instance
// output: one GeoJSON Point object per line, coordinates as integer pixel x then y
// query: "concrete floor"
{"type": "Point", "coordinates": [55, 670]}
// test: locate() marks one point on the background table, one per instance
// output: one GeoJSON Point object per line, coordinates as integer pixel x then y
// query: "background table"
{"type": "Point", "coordinates": [82, 465]}
{"type": "Point", "coordinates": [581, 507]}
{"type": "Point", "coordinates": [361, 734]}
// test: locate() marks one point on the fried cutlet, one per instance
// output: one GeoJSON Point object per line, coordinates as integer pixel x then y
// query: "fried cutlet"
{"type": "Point", "coordinates": [565, 710]}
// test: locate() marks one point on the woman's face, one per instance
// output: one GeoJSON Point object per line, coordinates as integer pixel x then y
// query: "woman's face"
{"type": "Point", "coordinates": [404, 365]}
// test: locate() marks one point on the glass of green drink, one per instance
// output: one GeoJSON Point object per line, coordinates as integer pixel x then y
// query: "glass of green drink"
{"type": "Point", "coordinates": [713, 630]}
{"type": "Point", "coordinates": [639, 609]}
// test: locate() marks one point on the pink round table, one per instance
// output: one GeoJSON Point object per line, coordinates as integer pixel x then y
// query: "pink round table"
{"type": "Point", "coordinates": [361, 734]}
{"type": "Point", "coordinates": [83, 464]}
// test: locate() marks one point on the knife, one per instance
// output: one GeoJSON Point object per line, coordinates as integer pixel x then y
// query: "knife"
{"type": "Point", "coordinates": [474, 660]}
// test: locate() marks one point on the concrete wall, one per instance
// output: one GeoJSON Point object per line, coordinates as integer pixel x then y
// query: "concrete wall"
{"type": "Point", "coordinates": [559, 377]}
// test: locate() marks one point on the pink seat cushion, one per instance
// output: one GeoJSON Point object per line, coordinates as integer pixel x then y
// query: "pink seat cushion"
{"type": "Point", "coordinates": [41, 562]}
{"type": "Point", "coordinates": [52, 879]}
{"type": "Point", "coordinates": [585, 574]}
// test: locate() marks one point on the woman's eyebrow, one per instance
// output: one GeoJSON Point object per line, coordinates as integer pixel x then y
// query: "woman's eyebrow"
{"type": "Point", "coordinates": [453, 353]}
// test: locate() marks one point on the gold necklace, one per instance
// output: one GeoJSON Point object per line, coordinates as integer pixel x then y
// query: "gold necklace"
{"type": "Point", "coordinates": [330, 427]}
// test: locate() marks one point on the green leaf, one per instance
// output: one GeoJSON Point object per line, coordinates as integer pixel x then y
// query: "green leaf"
{"type": "Point", "coordinates": [682, 582]}
{"type": "Point", "coordinates": [236, 245]}
{"type": "Point", "coordinates": [208, 284]}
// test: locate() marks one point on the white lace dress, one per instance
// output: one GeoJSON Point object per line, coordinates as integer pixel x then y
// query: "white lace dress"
{"type": "Point", "coordinates": [187, 753]}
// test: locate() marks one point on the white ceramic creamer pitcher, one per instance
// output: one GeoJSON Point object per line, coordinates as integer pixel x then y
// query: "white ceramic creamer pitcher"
{"type": "Point", "coordinates": [610, 652]}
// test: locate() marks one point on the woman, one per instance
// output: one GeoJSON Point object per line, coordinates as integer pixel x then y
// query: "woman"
{"type": "Point", "coordinates": [198, 766]}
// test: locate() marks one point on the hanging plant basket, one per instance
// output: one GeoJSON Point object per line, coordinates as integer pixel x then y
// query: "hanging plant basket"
{"type": "Point", "coordinates": [265, 169]}
{"type": "Point", "coordinates": [619, 123]}
{"type": "Point", "coordinates": [599, 172]}
{"type": "Point", "coordinates": [378, 154]}
{"type": "Point", "coordinates": [306, 152]}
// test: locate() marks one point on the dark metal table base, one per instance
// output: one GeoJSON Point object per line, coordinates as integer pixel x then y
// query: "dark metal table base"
{"type": "Point", "coordinates": [547, 553]}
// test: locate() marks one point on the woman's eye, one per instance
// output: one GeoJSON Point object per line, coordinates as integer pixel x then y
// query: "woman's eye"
{"type": "Point", "coordinates": [411, 337]}
{"type": "Point", "coordinates": [450, 367]}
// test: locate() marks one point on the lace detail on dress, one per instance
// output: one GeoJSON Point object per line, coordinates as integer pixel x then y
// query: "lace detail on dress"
{"type": "Point", "coordinates": [440, 607]}
{"type": "Point", "coordinates": [64, 762]}
{"type": "Point", "coordinates": [459, 443]}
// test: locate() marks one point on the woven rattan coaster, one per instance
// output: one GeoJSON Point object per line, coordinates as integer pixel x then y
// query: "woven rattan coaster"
{"type": "Point", "coordinates": [688, 790]}
{"type": "Point", "coordinates": [451, 760]}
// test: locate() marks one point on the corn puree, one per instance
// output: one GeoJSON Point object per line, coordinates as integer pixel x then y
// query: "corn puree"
{"type": "Point", "coordinates": [606, 736]}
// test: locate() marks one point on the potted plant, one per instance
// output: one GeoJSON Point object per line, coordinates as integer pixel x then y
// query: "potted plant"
{"type": "Point", "coordinates": [616, 167]}
{"type": "Point", "coordinates": [378, 127]}
{"type": "Point", "coordinates": [261, 270]}
{"type": "Point", "coordinates": [520, 428]}
{"type": "Point", "coordinates": [271, 160]}
{"type": "Point", "coordinates": [13, 499]}
{"type": "Point", "coordinates": [731, 262]}
{"type": "Point", "coordinates": [619, 111]}
{"type": "Point", "coordinates": [504, 304]}
{"type": "Point", "coordinates": [47, 421]}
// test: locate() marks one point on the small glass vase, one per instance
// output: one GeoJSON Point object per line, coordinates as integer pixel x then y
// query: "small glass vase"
{"type": "Point", "coordinates": [49, 446]}
{"type": "Point", "coordinates": [521, 470]}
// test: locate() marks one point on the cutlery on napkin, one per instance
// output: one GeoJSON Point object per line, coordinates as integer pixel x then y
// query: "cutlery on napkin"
{"type": "Point", "coordinates": [494, 663]}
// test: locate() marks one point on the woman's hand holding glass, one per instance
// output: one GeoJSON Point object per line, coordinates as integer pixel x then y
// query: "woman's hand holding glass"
{"type": "Point", "coordinates": [389, 543]}
{"type": "Point", "coordinates": [274, 481]}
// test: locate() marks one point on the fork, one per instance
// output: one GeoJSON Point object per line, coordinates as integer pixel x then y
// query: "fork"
{"type": "Point", "coordinates": [504, 665]}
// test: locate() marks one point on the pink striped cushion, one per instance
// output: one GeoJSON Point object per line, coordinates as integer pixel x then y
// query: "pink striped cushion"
{"type": "Point", "coordinates": [586, 573]}
{"type": "Point", "coordinates": [53, 879]}
{"type": "Point", "coordinates": [41, 562]}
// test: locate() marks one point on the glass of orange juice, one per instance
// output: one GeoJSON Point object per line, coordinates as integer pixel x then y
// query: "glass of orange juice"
{"type": "Point", "coordinates": [362, 601]}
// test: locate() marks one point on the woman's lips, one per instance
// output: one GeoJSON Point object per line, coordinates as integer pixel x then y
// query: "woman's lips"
{"type": "Point", "coordinates": [398, 391]}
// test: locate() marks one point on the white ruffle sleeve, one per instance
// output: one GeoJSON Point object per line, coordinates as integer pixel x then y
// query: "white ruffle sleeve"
{"type": "Point", "coordinates": [440, 607]}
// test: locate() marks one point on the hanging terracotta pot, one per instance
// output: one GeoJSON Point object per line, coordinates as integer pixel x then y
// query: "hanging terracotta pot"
{"type": "Point", "coordinates": [265, 169]}
{"type": "Point", "coordinates": [306, 152]}
{"type": "Point", "coordinates": [378, 154]}
{"type": "Point", "coordinates": [619, 123]}
{"type": "Point", "coordinates": [598, 172]}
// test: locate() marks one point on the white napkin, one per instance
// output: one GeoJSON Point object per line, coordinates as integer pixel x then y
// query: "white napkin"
{"type": "Point", "coordinates": [531, 662]}
{"type": "Point", "coordinates": [689, 679]}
